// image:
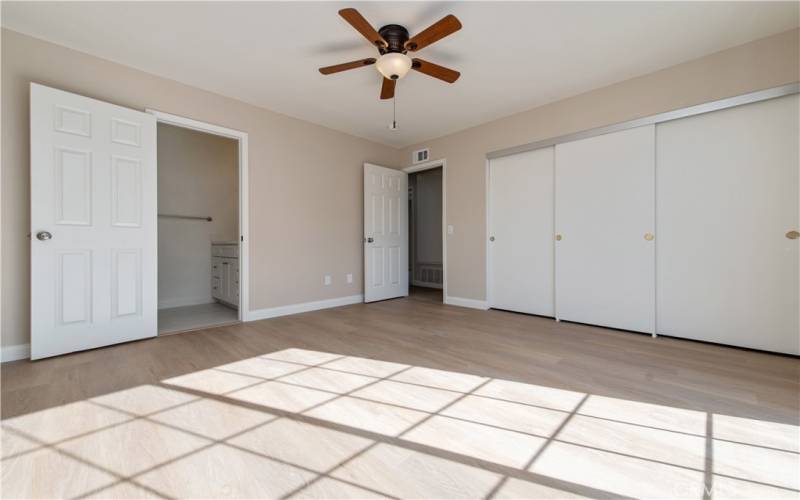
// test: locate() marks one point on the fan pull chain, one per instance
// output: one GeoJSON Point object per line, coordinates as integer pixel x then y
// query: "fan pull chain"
{"type": "Point", "coordinates": [394, 111]}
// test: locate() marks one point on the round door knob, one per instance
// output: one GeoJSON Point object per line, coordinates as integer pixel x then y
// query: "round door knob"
{"type": "Point", "coordinates": [491, 238]}
{"type": "Point", "coordinates": [793, 235]}
{"type": "Point", "coordinates": [370, 240]}
{"type": "Point", "coordinates": [43, 236]}
{"type": "Point", "coordinates": [558, 237]}
{"type": "Point", "coordinates": [649, 236]}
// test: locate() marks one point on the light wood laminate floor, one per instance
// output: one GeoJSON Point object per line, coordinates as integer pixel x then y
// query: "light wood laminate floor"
{"type": "Point", "coordinates": [405, 398]}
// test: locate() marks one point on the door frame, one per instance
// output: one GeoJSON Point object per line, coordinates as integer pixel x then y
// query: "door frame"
{"type": "Point", "coordinates": [487, 265]}
{"type": "Point", "coordinates": [430, 165]}
{"type": "Point", "coordinates": [244, 206]}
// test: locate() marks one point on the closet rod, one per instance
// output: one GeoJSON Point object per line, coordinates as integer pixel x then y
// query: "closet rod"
{"type": "Point", "coordinates": [192, 217]}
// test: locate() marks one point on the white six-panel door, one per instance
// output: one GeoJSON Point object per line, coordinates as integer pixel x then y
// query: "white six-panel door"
{"type": "Point", "coordinates": [728, 196]}
{"type": "Point", "coordinates": [385, 233]}
{"type": "Point", "coordinates": [521, 234]}
{"type": "Point", "coordinates": [93, 223]}
{"type": "Point", "coordinates": [605, 257]}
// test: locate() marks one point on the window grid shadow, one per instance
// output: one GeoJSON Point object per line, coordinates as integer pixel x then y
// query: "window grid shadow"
{"type": "Point", "coordinates": [377, 438]}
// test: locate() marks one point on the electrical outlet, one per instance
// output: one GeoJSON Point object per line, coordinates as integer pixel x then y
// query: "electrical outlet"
{"type": "Point", "coordinates": [349, 278]}
{"type": "Point", "coordinates": [327, 279]}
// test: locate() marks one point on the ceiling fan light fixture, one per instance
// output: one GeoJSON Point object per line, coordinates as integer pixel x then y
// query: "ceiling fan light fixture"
{"type": "Point", "coordinates": [393, 65]}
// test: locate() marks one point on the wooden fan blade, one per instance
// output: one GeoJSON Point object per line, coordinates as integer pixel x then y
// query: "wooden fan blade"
{"type": "Point", "coordinates": [327, 70]}
{"type": "Point", "coordinates": [448, 25]}
{"type": "Point", "coordinates": [387, 89]}
{"type": "Point", "coordinates": [361, 25]}
{"type": "Point", "coordinates": [434, 70]}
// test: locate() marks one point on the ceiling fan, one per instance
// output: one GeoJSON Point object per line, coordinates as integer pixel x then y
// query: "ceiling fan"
{"type": "Point", "coordinates": [393, 42]}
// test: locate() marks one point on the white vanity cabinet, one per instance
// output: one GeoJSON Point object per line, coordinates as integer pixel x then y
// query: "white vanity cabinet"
{"type": "Point", "coordinates": [225, 272]}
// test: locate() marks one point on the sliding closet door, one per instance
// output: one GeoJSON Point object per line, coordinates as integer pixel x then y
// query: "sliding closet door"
{"type": "Point", "coordinates": [605, 253]}
{"type": "Point", "coordinates": [727, 203]}
{"type": "Point", "coordinates": [521, 228]}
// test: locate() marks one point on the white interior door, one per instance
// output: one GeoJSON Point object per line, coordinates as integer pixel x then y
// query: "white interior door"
{"type": "Point", "coordinates": [605, 259]}
{"type": "Point", "coordinates": [93, 223]}
{"type": "Point", "coordinates": [728, 187]}
{"type": "Point", "coordinates": [521, 232]}
{"type": "Point", "coordinates": [385, 233]}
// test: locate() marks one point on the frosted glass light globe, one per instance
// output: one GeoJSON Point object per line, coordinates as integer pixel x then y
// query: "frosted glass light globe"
{"type": "Point", "coordinates": [393, 65]}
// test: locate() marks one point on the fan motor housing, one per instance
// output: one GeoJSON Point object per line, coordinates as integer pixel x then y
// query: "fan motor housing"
{"type": "Point", "coordinates": [396, 36]}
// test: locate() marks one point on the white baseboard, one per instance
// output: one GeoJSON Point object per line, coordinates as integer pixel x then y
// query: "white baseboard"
{"type": "Point", "coordinates": [182, 302]}
{"type": "Point", "coordinates": [471, 303]}
{"type": "Point", "coordinates": [274, 312]}
{"type": "Point", "coordinates": [15, 352]}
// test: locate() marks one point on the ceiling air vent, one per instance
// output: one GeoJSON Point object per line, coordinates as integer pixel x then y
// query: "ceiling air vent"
{"type": "Point", "coordinates": [421, 156]}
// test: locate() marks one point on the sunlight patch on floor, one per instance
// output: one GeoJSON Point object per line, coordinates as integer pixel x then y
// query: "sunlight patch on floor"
{"type": "Point", "coordinates": [308, 424]}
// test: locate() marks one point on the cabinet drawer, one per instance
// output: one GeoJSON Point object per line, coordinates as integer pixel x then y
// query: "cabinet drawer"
{"type": "Point", "coordinates": [230, 251]}
{"type": "Point", "coordinates": [216, 288]}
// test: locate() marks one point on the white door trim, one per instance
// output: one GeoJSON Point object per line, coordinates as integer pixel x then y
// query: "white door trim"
{"type": "Point", "coordinates": [487, 196]}
{"type": "Point", "coordinates": [430, 165]}
{"type": "Point", "coordinates": [244, 207]}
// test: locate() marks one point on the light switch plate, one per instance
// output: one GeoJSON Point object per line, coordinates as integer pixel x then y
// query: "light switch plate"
{"type": "Point", "coordinates": [450, 229]}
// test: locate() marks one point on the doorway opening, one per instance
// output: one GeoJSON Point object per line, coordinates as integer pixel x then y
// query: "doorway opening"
{"type": "Point", "coordinates": [426, 270]}
{"type": "Point", "coordinates": [201, 244]}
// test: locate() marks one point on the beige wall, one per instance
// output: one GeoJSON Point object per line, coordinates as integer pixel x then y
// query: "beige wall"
{"type": "Point", "coordinates": [305, 180]}
{"type": "Point", "coordinates": [757, 65]}
{"type": "Point", "coordinates": [197, 175]}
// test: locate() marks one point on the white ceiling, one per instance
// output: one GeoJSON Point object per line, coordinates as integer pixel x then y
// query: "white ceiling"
{"type": "Point", "coordinates": [512, 56]}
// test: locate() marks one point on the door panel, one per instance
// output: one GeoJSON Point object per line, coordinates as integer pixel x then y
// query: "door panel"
{"type": "Point", "coordinates": [386, 225]}
{"type": "Point", "coordinates": [72, 121]}
{"type": "Point", "coordinates": [521, 212]}
{"type": "Point", "coordinates": [605, 260]}
{"type": "Point", "coordinates": [377, 263]}
{"type": "Point", "coordinates": [73, 187]}
{"type": "Point", "coordinates": [93, 189]}
{"type": "Point", "coordinates": [728, 192]}
{"type": "Point", "coordinates": [74, 286]}
{"type": "Point", "coordinates": [126, 132]}
{"type": "Point", "coordinates": [126, 192]}
{"type": "Point", "coordinates": [126, 290]}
